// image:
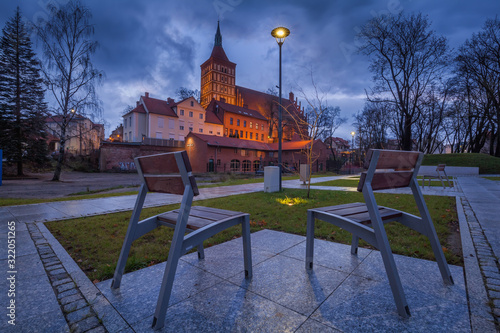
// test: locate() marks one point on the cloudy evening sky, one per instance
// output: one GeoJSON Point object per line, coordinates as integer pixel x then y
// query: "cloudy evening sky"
{"type": "Point", "coordinates": [159, 45]}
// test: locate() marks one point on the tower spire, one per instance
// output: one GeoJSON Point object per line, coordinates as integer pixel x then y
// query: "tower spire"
{"type": "Point", "coordinates": [218, 36]}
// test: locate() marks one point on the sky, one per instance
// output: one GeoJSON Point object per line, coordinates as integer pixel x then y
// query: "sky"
{"type": "Point", "coordinates": [158, 45]}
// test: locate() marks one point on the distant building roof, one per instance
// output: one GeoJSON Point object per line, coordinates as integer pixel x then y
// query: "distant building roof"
{"type": "Point", "coordinates": [158, 106]}
{"type": "Point", "coordinates": [240, 110]}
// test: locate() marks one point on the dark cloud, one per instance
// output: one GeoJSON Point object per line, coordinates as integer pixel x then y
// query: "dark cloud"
{"type": "Point", "coordinates": [158, 45]}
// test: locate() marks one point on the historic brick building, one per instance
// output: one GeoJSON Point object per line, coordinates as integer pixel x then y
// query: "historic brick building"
{"type": "Point", "coordinates": [218, 82]}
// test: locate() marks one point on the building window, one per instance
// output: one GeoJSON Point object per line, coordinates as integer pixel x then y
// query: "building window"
{"type": "Point", "coordinates": [130, 121]}
{"type": "Point", "coordinates": [244, 123]}
{"type": "Point", "coordinates": [160, 122]}
{"type": "Point", "coordinates": [181, 128]}
{"type": "Point", "coordinates": [225, 131]}
{"type": "Point", "coordinates": [246, 167]}
{"type": "Point", "coordinates": [246, 135]}
{"type": "Point", "coordinates": [243, 152]}
{"type": "Point", "coordinates": [210, 132]}
{"type": "Point", "coordinates": [231, 132]}
{"type": "Point", "coordinates": [171, 136]}
{"type": "Point", "coordinates": [130, 136]}
{"type": "Point", "coordinates": [236, 150]}
{"type": "Point", "coordinates": [192, 103]}
{"type": "Point", "coordinates": [218, 133]}
{"type": "Point", "coordinates": [237, 122]}
{"type": "Point", "coordinates": [201, 130]}
{"type": "Point", "coordinates": [251, 136]}
{"type": "Point", "coordinates": [181, 112]}
{"type": "Point", "coordinates": [181, 137]}
{"type": "Point", "coordinates": [262, 127]}
{"type": "Point", "coordinates": [171, 124]}
{"type": "Point", "coordinates": [191, 114]}
{"type": "Point", "coordinates": [271, 154]}
{"type": "Point", "coordinates": [190, 129]}
{"type": "Point", "coordinates": [262, 137]}
{"type": "Point", "coordinates": [158, 135]}
{"type": "Point", "coordinates": [235, 165]}
{"type": "Point", "coordinates": [241, 134]}
{"type": "Point", "coordinates": [125, 137]}
{"type": "Point", "coordinates": [201, 115]}
{"type": "Point", "coordinates": [256, 165]}
{"type": "Point", "coordinates": [230, 121]}
{"type": "Point", "coordinates": [251, 125]}
{"type": "Point", "coordinates": [218, 162]}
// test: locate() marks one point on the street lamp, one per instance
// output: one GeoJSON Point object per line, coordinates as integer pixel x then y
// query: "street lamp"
{"type": "Point", "coordinates": [352, 148]}
{"type": "Point", "coordinates": [280, 34]}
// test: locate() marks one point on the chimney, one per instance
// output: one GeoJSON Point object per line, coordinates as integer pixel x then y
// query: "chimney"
{"type": "Point", "coordinates": [147, 94]}
{"type": "Point", "coordinates": [223, 100]}
{"type": "Point", "coordinates": [245, 106]}
{"type": "Point", "coordinates": [291, 97]}
{"type": "Point", "coordinates": [170, 101]}
{"type": "Point", "coordinates": [137, 103]}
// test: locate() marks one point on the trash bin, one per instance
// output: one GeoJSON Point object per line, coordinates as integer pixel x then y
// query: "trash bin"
{"type": "Point", "coordinates": [271, 179]}
{"type": "Point", "coordinates": [305, 172]}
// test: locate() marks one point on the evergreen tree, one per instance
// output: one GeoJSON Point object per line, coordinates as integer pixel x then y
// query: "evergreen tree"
{"type": "Point", "coordinates": [22, 106]}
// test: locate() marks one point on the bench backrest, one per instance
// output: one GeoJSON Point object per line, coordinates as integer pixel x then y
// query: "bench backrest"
{"type": "Point", "coordinates": [390, 168]}
{"type": "Point", "coordinates": [440, 167]}
{"type": "Point", "coordinates": [166, 173]}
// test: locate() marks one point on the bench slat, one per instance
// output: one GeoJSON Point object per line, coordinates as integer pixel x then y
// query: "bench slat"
{"type": "Point", "coordinates": [358, 212]}
{"type": "Point", "coordinates": [386, 180]}
{"type": "Point", "coordinates": [199, 216]}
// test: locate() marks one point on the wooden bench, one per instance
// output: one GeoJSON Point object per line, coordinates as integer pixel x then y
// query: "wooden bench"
{"type": "Point", "coordinates": [172, 173]}
{"type": "Point", "coordinates": [440, 168]}
{"type": "Point", "coordinates": [387, 169]}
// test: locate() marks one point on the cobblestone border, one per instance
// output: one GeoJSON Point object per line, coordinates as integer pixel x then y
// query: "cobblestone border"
{"type": "Point", "coordinates": [488, 263]}
{"type": "Point", "coordinates": [77, 311]}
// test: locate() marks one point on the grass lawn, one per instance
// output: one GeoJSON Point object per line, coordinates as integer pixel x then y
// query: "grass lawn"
{"type": "Point", "coordinates": [95, 242]}
{"type": "Point", "coordinates": [492, 178]}
{"type": "Point", "coordinates": [351, 182]}
{"type": "Point", "coordinates": [20, 201]}
{"type": "Point", "coordinates": [251, 179]}
{"type": "Point", "coordinates": [487, 164]}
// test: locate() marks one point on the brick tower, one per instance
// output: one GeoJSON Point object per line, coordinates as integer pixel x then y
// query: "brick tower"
{"type": "Point", "coordinates": [218, 75]}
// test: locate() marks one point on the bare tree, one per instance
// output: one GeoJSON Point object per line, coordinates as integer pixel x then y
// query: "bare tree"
{"type": "Point", "coordinates": [372, 124]}
{"type": "Point", "coordinates": [479, 61]}
{"type": "Point", "coordinates": [182, 93]}
{"type": "Point", "coordinates": [407, 58]}
{"type": "Point", "coordinates": [68, 71]}
{"type": "Point", "coordinates": [319, 119]}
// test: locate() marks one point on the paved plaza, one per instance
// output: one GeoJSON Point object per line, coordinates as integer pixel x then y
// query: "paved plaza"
{"type": "Point", "coordinates": [343, 293]}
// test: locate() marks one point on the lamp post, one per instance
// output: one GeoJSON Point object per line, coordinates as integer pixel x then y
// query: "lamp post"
{"type": "Point", "coordinates": [280, 34]}
{"type": "Point", "coordinates": [352, 149]}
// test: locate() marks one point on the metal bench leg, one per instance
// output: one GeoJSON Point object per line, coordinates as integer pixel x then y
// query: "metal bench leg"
{"type": "Point", "coordinates": [129, 238]}
{"type": "Point", "coordinates": [174, 255]}
{"type": "Point", "coordinates": [247, 251]}
{"type": "Point", "coordinates": [201, 251]}
{"type": "Point", "coordinates": [310, 240]}
{"type": "Point", "coordinates": [354, 244]}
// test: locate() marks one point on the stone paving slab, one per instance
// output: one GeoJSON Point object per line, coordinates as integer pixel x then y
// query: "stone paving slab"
{"type": "Point", "coordinates": [283, 294]}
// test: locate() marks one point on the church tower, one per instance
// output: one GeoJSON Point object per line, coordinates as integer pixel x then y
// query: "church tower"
{"type": "Point", "coordinates": [218, 75]}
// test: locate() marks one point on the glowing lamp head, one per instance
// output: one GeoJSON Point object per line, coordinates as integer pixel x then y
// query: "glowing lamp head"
{"type": "Point", "coordinates": [353, 133]}
{"type": "Point", "coordinates": [280, 33]}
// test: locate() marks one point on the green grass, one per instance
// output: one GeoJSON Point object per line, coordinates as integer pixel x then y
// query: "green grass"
{"type": "Point", "coordinates": [487, 164]}
{"type": "Point", "coordinates": [95, 242]}
{"type": "Point", "coordinates": [492, 178]}
{"type": "Point", "coordinates": [20, 201]}
{"type": "Point", "coordinates": [354, 183]}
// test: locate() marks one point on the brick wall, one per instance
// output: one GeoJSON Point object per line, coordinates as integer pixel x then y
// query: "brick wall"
{"type": "Point", "coordinates": [119, 157]}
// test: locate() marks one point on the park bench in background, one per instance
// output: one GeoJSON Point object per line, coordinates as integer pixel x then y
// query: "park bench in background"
{"type": "Point", "coordinates": [387, 169]}
{"type": "Point", "coordinates": [440, 169]}
{"type": "Point", "coordinates": [172, 173]}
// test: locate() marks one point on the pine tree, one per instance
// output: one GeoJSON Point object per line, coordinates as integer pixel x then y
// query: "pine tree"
{"type": "Point", "coordinates": [22, 106]}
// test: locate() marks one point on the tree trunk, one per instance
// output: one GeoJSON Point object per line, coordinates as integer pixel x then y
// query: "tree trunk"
{"type": "Point", "coordinates": [406, 142]}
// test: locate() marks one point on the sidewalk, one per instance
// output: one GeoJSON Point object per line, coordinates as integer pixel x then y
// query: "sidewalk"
{"type": "Point", "coordinates": [39, 256]}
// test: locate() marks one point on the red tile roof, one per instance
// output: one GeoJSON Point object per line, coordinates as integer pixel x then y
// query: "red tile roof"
{"type": "Point", "coordinates": [223, 141]}
{"type": "Point", "coordinates": [257, 100]}
{"type": "Point", "coordinates": [158, 106]}
{"type": "Point", "coordinates": [240, 110]}
{"type": "Point", "coordinates": [138, 109]}
{"type": "Point", "coordinates": [210, 117]}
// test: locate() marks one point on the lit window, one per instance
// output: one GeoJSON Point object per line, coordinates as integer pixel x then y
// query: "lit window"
{"type": "Point", "coordinates": [262, 127]}
{"type": "Point", "coordinates": [251, 125]}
